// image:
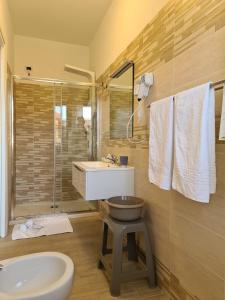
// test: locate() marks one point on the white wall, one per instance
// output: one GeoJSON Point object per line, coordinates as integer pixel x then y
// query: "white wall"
{"type": "Point", "coordinates": [6, 28]}
{"type": "Point", "coordinates": [6, 57]}
{"type": "Point", "coordinates": [122, 22]}
{"type": "Point", "coordinates": [48, 58]}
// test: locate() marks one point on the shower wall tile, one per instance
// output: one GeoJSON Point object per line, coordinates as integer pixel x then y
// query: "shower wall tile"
{"type": "Point", "coordinates": [34, 142]}
{"type": "Point", "coordinates": [43, 120]}
{"type": "Point", "coordinates": [184, 45]}
{"type": "Point", "coordinates": [24, 133]}
{"type": "Point", "coordinates": [34, 139]}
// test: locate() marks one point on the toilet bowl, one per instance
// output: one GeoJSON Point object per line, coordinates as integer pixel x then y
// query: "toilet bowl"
{"type": "Point", "coordinates": [39, 276]}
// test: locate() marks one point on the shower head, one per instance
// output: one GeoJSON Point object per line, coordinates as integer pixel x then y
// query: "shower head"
{"type": "Point", "coordinates": [87, 73]}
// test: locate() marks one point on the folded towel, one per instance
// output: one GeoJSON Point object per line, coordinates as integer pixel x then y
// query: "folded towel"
{"type": "Point", "coordinates": [222, 120]}
{"type": "Point", "coordinates": [194, 172]}
{"type": "Point", "coordinates": [161, 143]}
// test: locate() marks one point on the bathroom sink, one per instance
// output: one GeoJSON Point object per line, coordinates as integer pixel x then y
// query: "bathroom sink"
{"type": "Point", "coordinates": [96, 180]}
{"type": "Point", "coordinates": [99, 165]}
{"type": "Point", "coordinates": [40, 276]}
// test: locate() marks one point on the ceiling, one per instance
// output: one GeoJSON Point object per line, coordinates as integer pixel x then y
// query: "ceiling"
{"type": "Point", "coordinates": [69, 21]}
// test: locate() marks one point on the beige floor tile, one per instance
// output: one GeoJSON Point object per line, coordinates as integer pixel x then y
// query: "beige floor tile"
{"type": "Point", "coordinates": [82, 246]}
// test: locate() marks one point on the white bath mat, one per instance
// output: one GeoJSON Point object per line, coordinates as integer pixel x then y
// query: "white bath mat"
{"type": "Point", "coordinates": [36, 227]}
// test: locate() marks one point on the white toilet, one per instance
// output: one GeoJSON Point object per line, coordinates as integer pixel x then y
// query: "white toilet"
{"type": "Point", "coordinates": [39, 276]}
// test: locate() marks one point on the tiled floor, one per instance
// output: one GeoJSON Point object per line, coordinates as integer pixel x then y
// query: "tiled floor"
{"type": "Point", "coordinates": [44, 207]}
{"type": "Point", "coordinates": [82, 246]}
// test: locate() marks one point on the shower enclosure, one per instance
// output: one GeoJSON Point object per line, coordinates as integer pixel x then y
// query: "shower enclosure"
{"type": "Point", "coordinates": [54, 124]}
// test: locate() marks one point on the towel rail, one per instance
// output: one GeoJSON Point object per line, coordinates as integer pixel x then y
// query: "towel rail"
{"type": "Point", "coordinates": [218, 85]}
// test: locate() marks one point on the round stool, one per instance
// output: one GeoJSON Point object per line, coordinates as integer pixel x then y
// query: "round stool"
{"type": "Point", "coordinates": [114, 270]}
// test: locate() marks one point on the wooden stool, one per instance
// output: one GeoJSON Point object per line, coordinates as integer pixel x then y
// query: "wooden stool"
{"type": "Point", "coordinates": [119, 229]}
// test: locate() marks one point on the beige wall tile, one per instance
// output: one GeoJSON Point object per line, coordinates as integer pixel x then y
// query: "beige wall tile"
{"type": "Point", "coordinates": [183, 46]}
{"type": "Point", "coordinates": [199, 243]}
{"type": "Point", "coordinates": [195, 65]}
{"type": "Point", "coordinates": [196, 279]}
{"type": "Point", "coordinates": [220, 173]}
{"type": "Point", "coordinates": [163, 82]}
{"type": "Point", "coordinates": [211, 216]}
{"type": "Point", "coordinates": [158, 223]}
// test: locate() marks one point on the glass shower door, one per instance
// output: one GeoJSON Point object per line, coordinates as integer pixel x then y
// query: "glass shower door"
{"type": "Point", "coordinates": [53, 128]}
{"type": "Point", "coordinates": [74, 132]}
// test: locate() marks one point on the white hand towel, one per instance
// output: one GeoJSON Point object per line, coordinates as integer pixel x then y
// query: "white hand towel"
{"type": "Point", "coordinates": [194, 172]}
{"type": "Point", "coordinates": [161, 143]}
{"type": "Point", "coordinates": [222, 120]}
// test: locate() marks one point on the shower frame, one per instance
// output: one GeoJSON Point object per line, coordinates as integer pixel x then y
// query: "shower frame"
{"type": "Point", "coordinates": [92, 85]}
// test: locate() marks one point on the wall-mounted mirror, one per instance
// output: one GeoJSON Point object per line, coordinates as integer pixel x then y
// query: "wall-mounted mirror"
{"type": "Point", "coordinates": [121, 92]}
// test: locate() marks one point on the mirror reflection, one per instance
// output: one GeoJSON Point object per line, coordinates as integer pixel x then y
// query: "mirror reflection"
{"type": "Point", "coordinates": [121, 104]}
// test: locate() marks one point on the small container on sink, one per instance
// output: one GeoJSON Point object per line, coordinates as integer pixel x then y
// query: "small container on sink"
{"type": "Point", "coordinates": [123, 160]}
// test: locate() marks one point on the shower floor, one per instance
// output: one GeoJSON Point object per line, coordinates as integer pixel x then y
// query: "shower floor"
{"type": "Point", "coordinates": [41, 208]}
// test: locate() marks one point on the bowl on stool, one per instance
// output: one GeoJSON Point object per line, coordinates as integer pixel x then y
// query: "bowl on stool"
{"type": "Point", "coordinates": [126, 208]}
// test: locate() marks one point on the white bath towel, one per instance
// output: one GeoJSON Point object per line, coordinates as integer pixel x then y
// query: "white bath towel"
{"type": "Point", "coordinates": [194, 172]}
{"type": "Point", "coordinates": [161, 143]}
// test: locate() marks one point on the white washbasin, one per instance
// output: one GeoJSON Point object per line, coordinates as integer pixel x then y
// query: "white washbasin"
{"type": "Point", "coordinates": [39, 276]}
{"type": "Point", "coordinates": [98, 164]}
{"type": "Point", "coordinates": [96, 180]}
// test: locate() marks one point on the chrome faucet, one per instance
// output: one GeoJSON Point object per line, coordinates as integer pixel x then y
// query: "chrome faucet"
{"type": "Point", "coordinates": [112, 158]}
